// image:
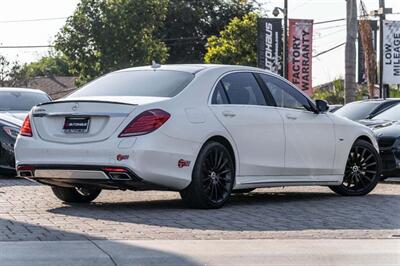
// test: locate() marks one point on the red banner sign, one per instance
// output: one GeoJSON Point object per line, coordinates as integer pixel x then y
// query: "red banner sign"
{"type": "Point", "coordinates": [300, 54]}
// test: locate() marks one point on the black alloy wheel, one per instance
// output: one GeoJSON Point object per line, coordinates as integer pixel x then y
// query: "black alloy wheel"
{"type": "Point", "coordinates": [362, 172]}
{"type": "Point", "coordinates": [212, 179]}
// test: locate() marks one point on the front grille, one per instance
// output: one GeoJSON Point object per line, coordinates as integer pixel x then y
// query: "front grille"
{"type": "Point", "coordinates": [386, 142]}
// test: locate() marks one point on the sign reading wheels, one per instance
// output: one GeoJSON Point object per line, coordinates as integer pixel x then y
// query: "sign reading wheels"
{"type": "Point", "coordinates": [270, 48]}
{"type": "Point", "coordinates": [391, 52]}
{"type": "Point", "coordinates": [300, 54]}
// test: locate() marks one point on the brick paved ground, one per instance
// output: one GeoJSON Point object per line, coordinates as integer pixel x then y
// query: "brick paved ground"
{"type": "Point", "coordinates": [31, 212]}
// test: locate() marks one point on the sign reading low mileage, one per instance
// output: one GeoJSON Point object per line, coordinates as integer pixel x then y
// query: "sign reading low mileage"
{"type": "Point", "coordinates": [391, 52]}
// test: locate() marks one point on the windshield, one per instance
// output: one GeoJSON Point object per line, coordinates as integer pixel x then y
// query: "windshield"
{"type": "Point", "coordinates": [149, 83]}
{"type": "Point", "coordinates": [20, 101]}
{"type": "Point", "coordinates": [357, 110]}
{"type": "Point", "coordinates": [392, 114]}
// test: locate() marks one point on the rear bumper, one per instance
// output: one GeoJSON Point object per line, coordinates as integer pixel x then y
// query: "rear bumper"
{"type": "Point", "coordinates": [81, 176]}
{"type": "Point", "coordinates": [153, 157]}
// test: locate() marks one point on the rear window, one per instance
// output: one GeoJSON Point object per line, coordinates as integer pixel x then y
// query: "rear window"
{"type": "Point", "coordinates": [159, 83]}
{"type": "Point", "coordinates": [20, 101]}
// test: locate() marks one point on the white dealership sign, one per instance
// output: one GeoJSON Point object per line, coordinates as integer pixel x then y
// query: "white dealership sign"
{"type": "Point", "coordinates": [391, 52]}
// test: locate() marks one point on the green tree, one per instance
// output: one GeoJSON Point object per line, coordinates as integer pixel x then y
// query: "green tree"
{"type": "Point", "coordinates": [333, 96]}
{"type": "Point", "coordinates": [189, 23]}
{"type": "Point", "coordinates": [51, 65]}
{"type": "Point", "coordinates": [237, 43]}
{"type": "Point", "coordinates": [10, 73]}
{"type": "Point", "coordinates": [106, 35]}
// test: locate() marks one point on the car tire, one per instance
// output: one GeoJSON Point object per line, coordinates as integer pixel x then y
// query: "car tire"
{"type": "Point", "coordinates": [212, 178]}
{"type": "Point", "coordinates": [76, 195]}
{"type": "Point", "coordinates": [362, 172]}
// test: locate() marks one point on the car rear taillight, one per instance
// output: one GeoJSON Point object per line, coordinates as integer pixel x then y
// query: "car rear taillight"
{"type": "Point", "coordinates": [145, 123]}
{"type": "Point", "coordinates": [26, 129]}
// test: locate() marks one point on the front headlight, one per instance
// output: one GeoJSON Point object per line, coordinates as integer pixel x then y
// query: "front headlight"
{"type": "Point", "coordinates": [11, 131]}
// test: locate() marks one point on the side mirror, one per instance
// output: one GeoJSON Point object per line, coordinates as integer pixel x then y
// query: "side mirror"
{"type": "Point", "coordinates": [322, 106]}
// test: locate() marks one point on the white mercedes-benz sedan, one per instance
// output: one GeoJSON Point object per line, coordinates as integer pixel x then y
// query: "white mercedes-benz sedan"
{"type": "Point", "coordinates": [206, 131]}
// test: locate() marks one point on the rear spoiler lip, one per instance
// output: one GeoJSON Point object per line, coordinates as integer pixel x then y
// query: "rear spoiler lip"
{"type": "Point", "coordinates": [91, 101]}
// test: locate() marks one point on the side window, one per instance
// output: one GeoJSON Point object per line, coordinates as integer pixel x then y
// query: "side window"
{"type": "Point", "coordinates": [242, 88]}
{"type": "Point", "coordinates": [219, 96]}
{"type": "Point", "coordinates": [285, 95]}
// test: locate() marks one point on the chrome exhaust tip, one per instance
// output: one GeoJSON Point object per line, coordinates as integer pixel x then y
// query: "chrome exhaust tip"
{"type": "Point", "coordinates": [119, 176]}
{"type": "Point", "coordinates": [25, 173]}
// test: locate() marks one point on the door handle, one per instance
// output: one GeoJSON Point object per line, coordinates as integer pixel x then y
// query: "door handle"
{"type": "Point", "coordinates": [228, 114]}
{"type": "Point", "coordinates": [291, 117]}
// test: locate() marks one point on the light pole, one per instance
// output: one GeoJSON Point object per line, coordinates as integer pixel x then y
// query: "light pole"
{"type": "Point", "coordinates": [284, 11]}
{"type": "Point", "coordinates": [381, 13]}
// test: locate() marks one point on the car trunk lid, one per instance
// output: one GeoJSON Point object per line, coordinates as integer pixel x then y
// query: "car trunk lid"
{"type": "Point", "coordinates": [83, 120]}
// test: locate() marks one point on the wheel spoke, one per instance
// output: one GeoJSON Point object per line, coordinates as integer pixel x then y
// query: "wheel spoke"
{"type": "Point", "coordinates": [361, 180]}
{"type": "Point", "coordinates": [369, 157]}
{"type": "Point", "coordinates": [224, 172]}
{"type": "Point", "coordinates": [222, 165]}
{"type": "Point", "coordinates": [215, 159]}
{"type": "Point", "coordinates": [366, 177]}
{"type": "Point", "coordinates": [371, 164]}
{"type": "Point", "coordinates": [370, 171]}
{"type": "Point", "coordinates": [220, 157]}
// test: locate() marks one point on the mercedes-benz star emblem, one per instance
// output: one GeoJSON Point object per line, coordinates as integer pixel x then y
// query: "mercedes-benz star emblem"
{"type": "Point", "coordinates": [75, 107]}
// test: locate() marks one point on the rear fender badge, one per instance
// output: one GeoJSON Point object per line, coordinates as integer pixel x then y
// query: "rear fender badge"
{"type": "Point", "coordinates": [121, 157]}
{"type": "Point", "coordinates": [183, 163]}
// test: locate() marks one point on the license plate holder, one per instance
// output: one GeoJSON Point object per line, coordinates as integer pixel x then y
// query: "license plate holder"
{"type": "Point", "coordinates": [74, 125]}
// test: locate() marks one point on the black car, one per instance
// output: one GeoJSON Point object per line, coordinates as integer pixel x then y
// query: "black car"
{"type": "Point", "coordinates": [386, 127]}
{"type": "Point", "coordinates": [9, 128]}
{"type": "Point", "coordinates": [17, 102]}
{"type": "Point", "coordinates": [366, 109]}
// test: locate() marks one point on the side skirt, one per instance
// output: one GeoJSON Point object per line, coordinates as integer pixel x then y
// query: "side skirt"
{"type": "Point", "coordinates": [283, 181]}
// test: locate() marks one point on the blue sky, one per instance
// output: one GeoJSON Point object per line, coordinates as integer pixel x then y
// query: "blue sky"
{"type": "Point", "coordinates": [325, 68]}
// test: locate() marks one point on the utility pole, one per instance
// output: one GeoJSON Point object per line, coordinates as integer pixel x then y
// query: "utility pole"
{"type": "Point", "coordinates": [284, 11]}
{"type": "Point", "coordinates": [350, 52]}
{"type": "Point", "coordinates": [285, 39]}
{"type": "Point", "coordinates": [384, 91]}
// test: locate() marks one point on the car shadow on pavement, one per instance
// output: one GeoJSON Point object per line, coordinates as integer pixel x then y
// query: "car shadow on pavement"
{"type": "Point", "coordinates": [6, 181]}
{"type": "Point", "coordinates": [259, 211]}
{"type": "Point", "coordinates": [21, 244]}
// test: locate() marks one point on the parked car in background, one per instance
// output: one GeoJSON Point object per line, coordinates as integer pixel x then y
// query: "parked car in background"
{"type": "Point", "coordinates": [9, 128]}
{"type": "Point", "coordinates": [17, 102]}
{"type": "Point", "coordinates": [334, 107]}
{"type": "Point", "coordinates": [366, 109]}
{"type": "Point", "coordinates": [203, 130]}
{"type": "Point", "coordinates": [386, 126]}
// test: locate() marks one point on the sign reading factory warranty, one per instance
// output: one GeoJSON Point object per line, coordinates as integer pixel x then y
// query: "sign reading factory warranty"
{"type": "Point", "coordinates": [300, 54]}
{"type": "Point", "coordinates": [391, 52]}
